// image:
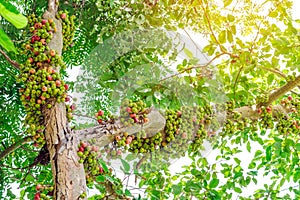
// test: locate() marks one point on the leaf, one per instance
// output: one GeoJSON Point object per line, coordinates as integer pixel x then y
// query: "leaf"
{"type": "Point", "coordinates": [270, 79]}
{"type": "Point", "coordinates": [222, 36]}
{"type": "Point", "coordinates": [126, 165]}
{"type": "Point", "coordinates": [273, 14]}
{"type": "Point", "coordinates": [100, 178]}
{"type": "Point", "coordinates": [252, 165]}
{"type": "Point", "coordinates": [214, 183]}
{"type": "Point", "coordinates": [230, 18]}
{"type": "Point", "coordinates": [227, 2]}
{"type": "Point", "coordinates": [296, 176]}
{"type": "Point", "coordinates": [229, 36]}
{"type": "Point", "coordinates": [268, 153]}
{"type": "Point", "coordinates": [238, 190]}
{"type": "Point", "coordinates": [237, 160]}
{"type": "Point", "coordinates": [188, 53]}
{"type": "Point", "coordinates": [128, 193]}
{"type": "Point", "coordinates": [176, 189]}
{"type": "Point", "coordinates": [6, 43]}
{"type": "Point", "coordinates": [248, 147]}
{"type": "Point", "coordinates": [130, 157]}
{"type": "Point", "coordinates": [29, 178]}
{"type": "Point", "coordinates": [298, 146]}
{"type": "Point", "coordinates": [10, 13]}
{"type": "Point", "coordinates": [103, 164]}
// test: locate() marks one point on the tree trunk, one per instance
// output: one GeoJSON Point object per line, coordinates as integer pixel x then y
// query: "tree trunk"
{"type": "Point", "coordinates": [68, 174]}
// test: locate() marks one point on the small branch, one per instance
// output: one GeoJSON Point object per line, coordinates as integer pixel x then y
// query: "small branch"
{"type": "Point", "coordinates": [275, 71]}
{"type": "Point", "coordinates": [150, 4]}
{"type": "Point", "coordinates": [195, 67]}
{"type": "Point", "coordinates": [281, 91]}
{"type": "Point", "coordinates": [85, 116]}
{"type": "Point", "coordinates": [15, 146]}
{"type": "Point", "coordinates": [211, 30]}
{"type": "Point", "coordinates": [236, 81]}
{"type": "Point", "coordinates": [13, 63]}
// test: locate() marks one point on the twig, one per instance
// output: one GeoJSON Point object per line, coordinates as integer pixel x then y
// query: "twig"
{"type": "Point", "coordinates": [15, 146]}
{"type": "Point", "coordinates": [86, 116]}
{"type": "Point", "coordinates": [13, 63]}
{"type": "Point", "coordinates": [195, 67]}
{"type": "Point", "coordinates": [211, 30]}
{"type": "Point", "coordinates": [236, 80]}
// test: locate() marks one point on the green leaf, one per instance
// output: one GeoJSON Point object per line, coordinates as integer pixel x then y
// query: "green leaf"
{"type": "Point", "coordinates": [100, 178]}
{"type": "Point", "coordinates": [270, 79]}
{"type": "Point", "coordinates": [238, 161]}
{"type": "Point", "coordinates": [238, 190]}
{"type": "Point", "coordinates": [296, 176]}
{"type": "Point", "coordinates": [233, 29]}
{"type": "Point", "coordinates": [29, 178]}
{"type": "Point", "coordinates": [128, 193]}
{"type": "Point", "coordinates": [188, 53]}
{"type": "Point", "coordinates": [230, 18]}
{"type": "Point", "coordinates": [268, 153]}
{"type": "Point", "coordinates": [273, 14]}
{"type": "Point", "coordinates": [298, 146]}
{"type": "Point", "coordinates": [248, 147]}
{"type": "Point", "coordinates": [227, 2]}
{"type": "Point", "coordinates": [214, 183]}
{"type": "Point", "coordinates": [130, 157]}
{"type": "Point", "coordinates": [229, 36]}
{"type": "Point", "coordinates": [126, 165]}
{"type": "Point", "coordinates": [9, 12]}
{"type": "Point", "coordinates": [252, 165]}
{"type": "Point", "coordinates": [222, 36]}
{"type": "Point", "coordinates": [176, 189]}
{"type": "Point", "coordinates": [6, 43]}
{"type": "Point", "coordinates": [103, 164]}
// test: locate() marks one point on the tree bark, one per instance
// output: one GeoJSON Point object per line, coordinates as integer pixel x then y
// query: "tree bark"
{"type": "Point", "coordinates": [68, 175]}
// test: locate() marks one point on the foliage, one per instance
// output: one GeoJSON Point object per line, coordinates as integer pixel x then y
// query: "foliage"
{"type": "Point", "coordinates": [125, 50]}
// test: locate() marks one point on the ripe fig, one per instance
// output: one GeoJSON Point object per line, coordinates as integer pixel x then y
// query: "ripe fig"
{"type": "Point", "coordinates": [133, 115]}
{"type": "Point", "coordinates": [44, 89]}
{"type": "Point", "coordinates": [128, 109]}
{"type": "Point", "coordinates": [100, 113]}
{"type": "Point", "coordinates": [38, 187]}
{"type": "Point", "coordinates": [52, 53]}
{"type": "Point", "coordinates": [66, 86]}
{"type": "Point", "coordinates": [58, 83]}
{"type": "Point", "coordinates": [63, 15]}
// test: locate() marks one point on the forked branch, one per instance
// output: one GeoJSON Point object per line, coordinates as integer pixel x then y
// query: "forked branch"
{"type": "Point", "coordinates": [15, 146]}
{"type": "Point", "coordinates": [12, 62]}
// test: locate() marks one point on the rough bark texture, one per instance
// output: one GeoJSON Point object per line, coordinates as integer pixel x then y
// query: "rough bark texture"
{"type": "Point", "coordinates": [68, 174]}
{"type": "Point", "coordinates": [105, 133]}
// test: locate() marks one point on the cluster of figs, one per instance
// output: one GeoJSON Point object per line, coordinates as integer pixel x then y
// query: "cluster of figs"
{"type": "Point", "coordinates": [42, 82]}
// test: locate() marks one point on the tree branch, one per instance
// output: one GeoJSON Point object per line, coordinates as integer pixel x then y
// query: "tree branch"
{"type": "Point", "coordinates": [281, 91]}
{"type": "Point", "coordinates": [53, 6]}
{"type": "Point", "coordinates": [277, 72]}
{"type": "Point", "coordinates": [251, 113]}
{"type": "Point", "coordinates": [195, 67]}
{"type": "Point", "coordinates": [15, 146]}
{"type": "Point", "coordinates": [105, 133]}
{"type": "Point", "coordinates": [13, 63]}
